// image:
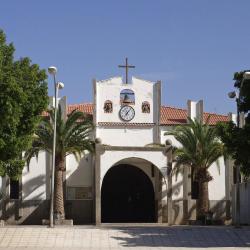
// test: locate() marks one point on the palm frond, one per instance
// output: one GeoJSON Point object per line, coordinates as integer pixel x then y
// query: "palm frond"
{"type": "Point", "coordinates": [200, 145]}
{"type": "Point", "coordinates": [72, 135]}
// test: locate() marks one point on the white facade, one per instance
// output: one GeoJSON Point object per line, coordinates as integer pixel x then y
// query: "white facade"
{"type": "Point", "coordinates": [136, 143]}
{"type": "Point", "coordinates": [34, 178]}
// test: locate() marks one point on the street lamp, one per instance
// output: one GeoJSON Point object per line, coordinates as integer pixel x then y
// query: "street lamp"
{"type": "Point", "coordinates": [233, 95]}
{"type": "Point", "coordinates": [57, 85]}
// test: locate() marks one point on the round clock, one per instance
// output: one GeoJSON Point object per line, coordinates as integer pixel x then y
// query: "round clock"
{"type": "Point", "coordinates": [127, 113]}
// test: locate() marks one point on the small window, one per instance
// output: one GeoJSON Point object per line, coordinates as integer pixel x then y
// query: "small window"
{"type": "Point", "coordinates": [145, 107]}
{"type": "Point", "coordinates": [127, 97]}
{"type": "Point", "coordinates": [108, 106]}
{"type": "Point", "coordinates": [194, 187]}
{"type": "Point", "coordinates": [235, 175]}
{"type": "Point", "coordinates": [14, 189]}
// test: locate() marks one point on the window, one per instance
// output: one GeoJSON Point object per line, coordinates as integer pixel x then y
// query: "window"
{"type": "Point", "coordinates": [108, 106]}
{"type": "Point", "coordinates": [235, 175]}
{"type": "Point", "coordinates": [194, 186]}
{"type": "Point", "coordinates": [145, 107]}
{"type": "Point", "coordinates": [14, 189]}
{"type": "Point", "coordinates": [127, 97]}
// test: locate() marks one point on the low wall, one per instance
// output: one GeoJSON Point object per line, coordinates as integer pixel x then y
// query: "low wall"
{"type": "Point", "coordinates": [80, 211]}
{"type": "Point", "coordinates": [32, 212]}
{"type": "Point", "coordinates": [29, 212]}
{"type": "Point", "coordinates": [184, 211]}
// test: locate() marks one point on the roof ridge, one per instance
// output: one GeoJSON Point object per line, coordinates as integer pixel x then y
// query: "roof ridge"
{"type": "Point", "coordinates": [85, 103]}
{"type": "Point", "coordinates": [162, 106]}
{"type": "Point", "coordinates": [212, 113]}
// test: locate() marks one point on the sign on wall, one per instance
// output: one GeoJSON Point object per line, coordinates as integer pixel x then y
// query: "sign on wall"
{"type": "Point", "coordinates": [79, 193]}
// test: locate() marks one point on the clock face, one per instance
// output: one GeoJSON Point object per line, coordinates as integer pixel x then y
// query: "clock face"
{"type": "Point", "coordinates": [127, 113]}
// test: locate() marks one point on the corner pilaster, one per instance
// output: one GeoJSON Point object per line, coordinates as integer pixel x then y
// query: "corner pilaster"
{"type": "Point", "coordinates": [158, 90]}
{"type": "Point", "coordinates": [169, 186]}
{"type": "Point", "coordinates": [97, 185]}
{"type": "Point", "coordinates": [186, 193]}
{"type": "Point", "coordinates": [158, 194]}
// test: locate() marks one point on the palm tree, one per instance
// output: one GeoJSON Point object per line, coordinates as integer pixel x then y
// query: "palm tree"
{"type": "Point", "coordinates": [200, 149]}
{"type": "Point", "coordinates": [72, 137]}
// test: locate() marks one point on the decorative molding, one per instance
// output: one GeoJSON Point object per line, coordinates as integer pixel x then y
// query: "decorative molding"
{"type": "Point", "coordinates": [125, 124]}
{"type": "Point", "coordinates": [101, 148]}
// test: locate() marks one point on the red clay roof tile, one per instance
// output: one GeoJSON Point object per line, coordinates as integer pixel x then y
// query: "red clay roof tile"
{"type": "Point", "coordinates": [169, 115]}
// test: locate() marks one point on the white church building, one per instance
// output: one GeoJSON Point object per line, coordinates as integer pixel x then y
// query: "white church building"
{"type": "Point", "coordinates": [129, 177]}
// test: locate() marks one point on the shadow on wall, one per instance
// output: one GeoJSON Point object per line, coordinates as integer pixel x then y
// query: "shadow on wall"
{"type": "Point", "coordinates": [184, 211]}
{"type": "Point", "coordinates": [27, 211]}
{"type": "Point", "coordinates": [81, 170]}
{"type": "Point", "coordinates": [79, 210]}
{"type": "Point", "coordinates": [221, 210]}
{"type": "Point", "coordinates": [30, 188]}
{"type": "Point", "coordinates": [177, 210]}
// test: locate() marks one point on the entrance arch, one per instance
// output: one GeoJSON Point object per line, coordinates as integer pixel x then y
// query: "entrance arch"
{"type": "Point", "coordinates": [127, 195]}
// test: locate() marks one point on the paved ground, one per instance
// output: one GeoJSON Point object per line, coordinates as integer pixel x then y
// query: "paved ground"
{"type": "Point", "coordinates": [117, 237]}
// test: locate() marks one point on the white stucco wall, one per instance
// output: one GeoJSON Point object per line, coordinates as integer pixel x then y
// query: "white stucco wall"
{"type": "Point", "coordinates": [164, 129]}
{"type": "Point", "coordinates": [130, 136]}
{"type": "Point", "coordinates": [117, 136]}
{"type": "Point", "coordinates": [217, 187]}
{"type": "Point", "coordinates": [34, 178]}
{"type": "Point", "coordinates": [177, 181]}
{"type": "Point", "coordinates": [110, 90]}
{"type": "Point", "coordinates": [111, 158]}
{"type": "Point", "coordinates": [79, 173]}
{"type": "Point", "coordinates": [177, 186]}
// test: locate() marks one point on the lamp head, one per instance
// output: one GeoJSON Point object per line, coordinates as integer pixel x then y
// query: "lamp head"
{"type": "Point", "coordinates": [52, 70]}
{"type": "Point", "coordinates": [60, 85]}
{"type": "Point", "coordinates": [246, 75]}
{"type": "Point", "coordinates": [232, 94]}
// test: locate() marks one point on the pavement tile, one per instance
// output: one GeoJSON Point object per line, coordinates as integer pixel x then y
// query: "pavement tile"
{"type": "Point", "coordinates": [122, 237]}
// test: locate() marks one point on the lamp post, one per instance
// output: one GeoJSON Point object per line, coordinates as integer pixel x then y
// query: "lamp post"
{"type": "Point", "coordinates": [233, 94]}
{"type": "Point", "coordinates": [57, 85]}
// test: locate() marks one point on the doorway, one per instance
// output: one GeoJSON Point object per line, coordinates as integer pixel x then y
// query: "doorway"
{"type": "Point", "coordinates": [127, 195]}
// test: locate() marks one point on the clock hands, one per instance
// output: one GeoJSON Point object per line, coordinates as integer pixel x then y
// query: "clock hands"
{"type": "Point", "coordinates": [127, 113]}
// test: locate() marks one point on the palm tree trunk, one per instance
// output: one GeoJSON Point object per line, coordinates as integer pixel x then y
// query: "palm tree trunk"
{"type": "Point", "coordinates": [203, 201]}
{"type": "Point", "coordinates": [59, 199]}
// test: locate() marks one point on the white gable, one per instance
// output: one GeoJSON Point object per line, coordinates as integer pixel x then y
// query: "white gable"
{"type": "Point", "coordinates": [140, 92]}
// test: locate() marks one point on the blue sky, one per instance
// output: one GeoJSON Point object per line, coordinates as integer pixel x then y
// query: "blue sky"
{"type": "Point", "coordinates": [193, 46]}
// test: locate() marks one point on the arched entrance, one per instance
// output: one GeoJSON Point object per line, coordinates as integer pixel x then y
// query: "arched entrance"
{"type": "Point", "coordinates": [127, 195]}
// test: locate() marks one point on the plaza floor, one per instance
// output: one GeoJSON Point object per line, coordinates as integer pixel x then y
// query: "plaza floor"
{"type": "Point", "coordinates": [124, 237]}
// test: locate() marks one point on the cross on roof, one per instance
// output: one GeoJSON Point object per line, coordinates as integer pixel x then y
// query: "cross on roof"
{"type": "Point", "coordinates": [127, 66]}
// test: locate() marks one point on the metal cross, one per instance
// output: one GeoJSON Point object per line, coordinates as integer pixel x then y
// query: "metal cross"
{"type": "Point", "coordinates": [127, 67]}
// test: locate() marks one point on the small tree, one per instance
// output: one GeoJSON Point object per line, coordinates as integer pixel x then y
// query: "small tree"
{"type": "Point", "coordinates": [72, 137]}
{"type": "Point", "coordinates": [237, 140]}
{"type": "Point", "coordinates": [23, 97]}
{"type": "Point", "coordinates": [200, 149]}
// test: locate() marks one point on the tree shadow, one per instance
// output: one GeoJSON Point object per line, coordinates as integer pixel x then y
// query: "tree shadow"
{"type": "Point", "coordinates": [183, 236]}
{"type": "Point", "coordinates": [27, 211]}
